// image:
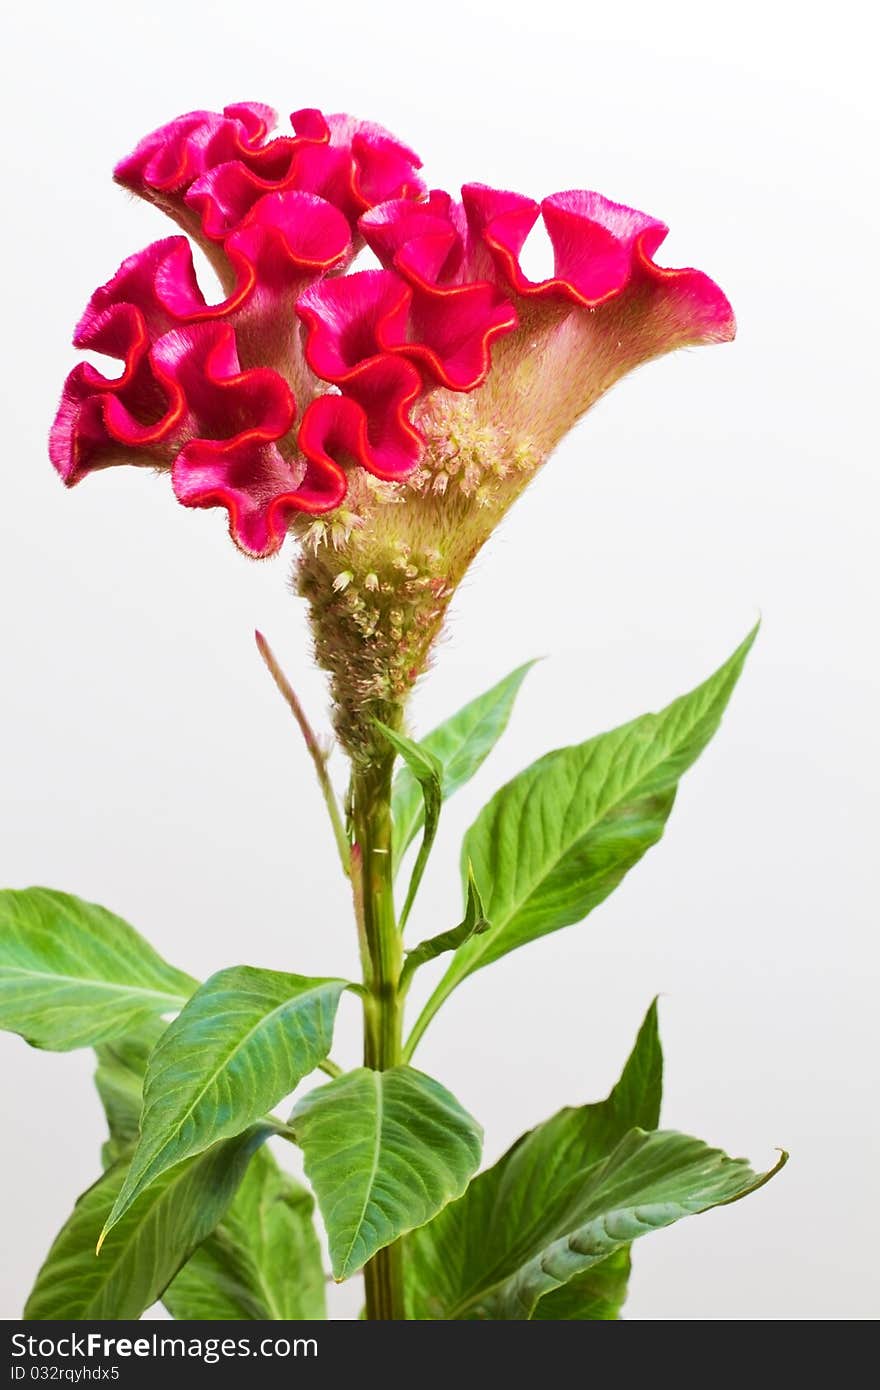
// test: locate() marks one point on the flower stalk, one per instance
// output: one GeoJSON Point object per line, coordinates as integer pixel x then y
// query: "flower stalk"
{"type": "Point", "coordinates": [383, 961]}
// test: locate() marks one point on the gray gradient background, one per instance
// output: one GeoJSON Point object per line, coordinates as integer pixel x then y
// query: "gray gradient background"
{"type": "Point", "coordinates": [148, 764]}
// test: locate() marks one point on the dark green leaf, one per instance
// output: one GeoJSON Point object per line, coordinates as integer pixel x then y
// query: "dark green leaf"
{"type": "Point", "coordinates": [144, 1251]}
{"type": "Point", "coordinates": [244, 1041]}
{"type": "Point", "coordinates": [461, 745]}
{"type": "Point", "coordinates": [426, 769]}
{"type": "Point", "coordinates": [72, 974]}
{"type": "Point", "coordinates": [384, 1152]}
{"type": "Point", "coordinates": [554, 842]}
{"type": "Point", "coordinates": [263, 1261]}
{"type": "Point", "coordinates": [513, 1208]}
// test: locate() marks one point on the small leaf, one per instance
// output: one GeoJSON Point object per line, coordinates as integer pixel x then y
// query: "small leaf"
{"type": "Point", "coordinates": [473, 924]}
{"type": "Point", "coordinates": [516, 1206]}
{"type": "Point", "coordinates": [244, 1041]}
{"type": "Point", "coordinates": [384, 1152]}
{"type": "Point", "coordinates": [142, 1254]}
{"type": "Point", "coordinates": [262, 1263]}
{"type": "Point", "coordinates": [119, 1079]}
{"type": "Point", "coordinates": [427, 772]}
{"type": "Point", "coordinates": [556, 840]}
{"type": "Point", "coordinates": [461, 745]}
{"type": "Point", "coordinates": [72, 974]}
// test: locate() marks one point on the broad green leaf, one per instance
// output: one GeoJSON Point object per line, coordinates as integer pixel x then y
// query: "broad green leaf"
{"type": "Point", "coordinates": [263, 1262]}
{"type": "Point", "coordinates": [244, 1041]}
{"type": "Point", "coordinates": [119, 1079]}
{"type": "Point", "coordinates": [473, 923]}
{"type": "Point", "coordinates": [648, 1182]}
{"type": "Point", "coordinates": [142, 1254]}
{"type": "Point", "coordinates": [72, 974]}
{"type": "Point", "coordinates": [427, 772]}
{"type": "Point", "coordinates": [595, 1296]}
{"type": "Point", "coordinates": [461, 745]}
{"type": "Point", "coordinates": [514, 1208]}
{"type": "Point", "coordinates": [384, 1152]}
{"type": "Point", "coordinates": [556, 840]}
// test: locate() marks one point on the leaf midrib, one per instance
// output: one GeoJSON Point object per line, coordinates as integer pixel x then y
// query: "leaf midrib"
{"type": "Point", "coordinates": [86, 981]}
{"type": "Point", "coordinates": [160, 1198]}
{"type": "Point", "coordinates": [550, 866]}
{"type": "Point", "coordinates": [374, 1168]}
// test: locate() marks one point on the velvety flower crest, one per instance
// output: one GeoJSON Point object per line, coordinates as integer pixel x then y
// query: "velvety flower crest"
{"type": "Point", "coordinates": [304, 373]}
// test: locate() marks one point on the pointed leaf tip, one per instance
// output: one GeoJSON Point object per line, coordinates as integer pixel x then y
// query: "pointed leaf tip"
{"type": "Point", "coordinates": [553, 842]}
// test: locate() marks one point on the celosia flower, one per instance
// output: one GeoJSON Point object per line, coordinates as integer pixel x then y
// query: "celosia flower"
{"type": "Point", "coordinates": [318, 398]}
{"type": "Point", "coordinates": [253, 412]}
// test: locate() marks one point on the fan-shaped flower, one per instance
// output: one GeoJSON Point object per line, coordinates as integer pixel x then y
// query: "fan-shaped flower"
{"type": "Point", "coordinates": [265, 401]}
{"type": "Point", "coordinates": [308, 396]}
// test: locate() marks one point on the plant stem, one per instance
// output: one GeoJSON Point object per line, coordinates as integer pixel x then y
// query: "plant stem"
{"type": "Point", "coordinates": [330, 1068]}
{"type": "Point", "coordinates": [316, 752]}
{"type": "Point", "coordinates": [382, 954]}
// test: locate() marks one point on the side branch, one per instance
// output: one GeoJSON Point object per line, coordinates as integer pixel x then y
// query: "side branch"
{"type": "Point", "coordinates": [316, 752]}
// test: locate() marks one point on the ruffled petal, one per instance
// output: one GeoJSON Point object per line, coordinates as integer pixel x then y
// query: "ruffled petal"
{"type": "Point", "coordinates": [99, 422]}
{"type": "Point", "coordinates": [260, 489]}
{"type": "Point", "coordinates": [171, 157]}
{"type": "Point", "coordinates": [454, 316]}
{"type": "Point", "coordinates": [208, 169]}
{"type": "Point", "coordinates": [101, 418]}
{"type": "Point", "coordinates": [189, 384]}
{"type": "Point", "coordinates": [602, 251]}
{"type": "Point", "coordinates": [345, 318]}
{"type": "Point", "coordinates": [222, 401]}
{"type": "Point", "coordinates": [347, 321]}
{"type": "Point", "coordinates": [370, 424]}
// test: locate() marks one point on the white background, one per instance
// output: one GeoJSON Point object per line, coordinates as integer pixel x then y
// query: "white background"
{"type": "Point", "coordinates": [148, 763]}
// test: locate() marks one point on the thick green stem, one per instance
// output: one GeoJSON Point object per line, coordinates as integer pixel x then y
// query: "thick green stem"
{"type": "Point", "coordinates": [382, 954]}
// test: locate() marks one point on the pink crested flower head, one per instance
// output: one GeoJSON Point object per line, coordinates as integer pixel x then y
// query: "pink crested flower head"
{"type": "Point", "coordinates": [389, 414]}
{"type": "Point", "coordinates": [300, 378]}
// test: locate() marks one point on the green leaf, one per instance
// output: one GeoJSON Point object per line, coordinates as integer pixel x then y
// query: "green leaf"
{"type": "Point", "coordinates": [119, 1079]}
{"type": "Point", "coordinates": [263, 1262]}
{"type": "Point", "coordinates": [648, 1182]}
{"type": "Point", "coordinates": [556, 840]}
{"type": "Point", "coordinates": [473, 924]}
{"type": "Point", "coordinates": [595, 1296]}
{"type": "Point", "coordinates": [142, 1254]}
{"type": "Point", "coordinates": [427, 771]}
{"type": "Point", "coordinates": [72, 974]}
{"type": "Point", "coordinates": [514, 1208]}
{"type": "Point", "coordinates": [461, 745]}
{"type": "Point", "coordinates": [384, 1152]}
{"type": "Point", "coordinates": [244, 1041]}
